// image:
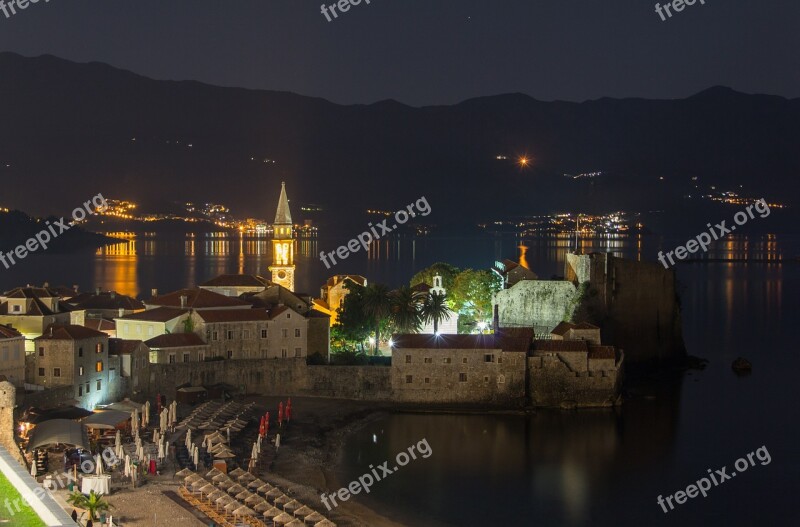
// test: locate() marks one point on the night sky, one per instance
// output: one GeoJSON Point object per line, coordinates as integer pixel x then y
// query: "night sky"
{"type": "Point", "coordinates": [432, 51]}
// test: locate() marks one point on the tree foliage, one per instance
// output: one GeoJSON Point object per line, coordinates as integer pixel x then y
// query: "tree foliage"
{"type": "Point", "coordinates": [434, 309]}
{"type": "Point", "coordinates": [471, 294]}
{"type": "Point", "coordinates": [448, 273]}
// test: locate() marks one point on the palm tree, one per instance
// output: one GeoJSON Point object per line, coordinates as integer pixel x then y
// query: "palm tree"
{"type": "Point", "coordinates": [406, 309]}
{"type": "Point", "coordinates": [377, 306]}
{"type": "Point", "coordinates": [93, 503]}
{"type": "Point", "coordinates": [434, 309]}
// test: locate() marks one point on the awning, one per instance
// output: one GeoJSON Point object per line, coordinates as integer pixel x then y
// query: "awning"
{"type": "Point", "coordinates": [61, 431]}
{"type": "Point", "coordinates": [108, 419]}
{"type": "Point", "coordinates": [38, 415]}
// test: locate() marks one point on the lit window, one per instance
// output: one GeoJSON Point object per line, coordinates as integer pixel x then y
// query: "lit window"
{"type": "Point", "coordinates": [80, 370]}
{"type": "Point", "coordinates": [99, 348]}
{"type": "Point", "coordinates": [98, 367]}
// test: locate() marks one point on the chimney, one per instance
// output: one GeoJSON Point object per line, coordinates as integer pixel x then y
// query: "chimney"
{"type": "Point", "coordinates": [97, 291]}
{"type": "Point", "coordinates": [121, 312]}
{"type": "Point", "coordinates": [75, 288]}
{"type": "Point", "coordinates": [183, 301]}
{"type": "Point", "coordinates": [154, 292]}
{"type": "Point", "coordinates": [46, 285]}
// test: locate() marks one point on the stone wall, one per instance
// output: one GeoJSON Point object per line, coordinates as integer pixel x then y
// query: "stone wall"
{"type": "Point", "coordinates": [8, 400]}
{"type": "Point", "coordinates": [459, 376]}
{"type": "Point", "coordinates": [551, 382]}
{"type": "Point", "coordinates": [261, 376]}
{"type": "Point", "coordinates": [541, 304]}
{"type": "Point", "coordinates": [369, 383]}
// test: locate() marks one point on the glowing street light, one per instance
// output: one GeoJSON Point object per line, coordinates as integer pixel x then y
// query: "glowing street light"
{"type": "Point", "coordinates": [524, 161]}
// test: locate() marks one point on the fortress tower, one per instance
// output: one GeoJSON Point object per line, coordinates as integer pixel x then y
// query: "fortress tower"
{"type": "Point", "coordinates": [282, 267]}
{"type": "Point", "coordinates": [8, 400]}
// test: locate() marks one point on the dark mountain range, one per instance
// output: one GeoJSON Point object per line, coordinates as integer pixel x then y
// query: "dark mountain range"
{"type": "Point", "coordinates": [69, 131]}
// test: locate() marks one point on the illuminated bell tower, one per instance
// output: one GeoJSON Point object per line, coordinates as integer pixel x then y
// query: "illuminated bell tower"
{"type": "Point", "coordinates": [282, 267]}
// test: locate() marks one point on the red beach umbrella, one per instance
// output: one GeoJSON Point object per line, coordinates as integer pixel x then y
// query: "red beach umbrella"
{"type": "Point", "coordinates": [289, 410]}
{"type": "Point", "coordinates": [261, 428]}
{"type": "Point", "coordinates": [280, 414]}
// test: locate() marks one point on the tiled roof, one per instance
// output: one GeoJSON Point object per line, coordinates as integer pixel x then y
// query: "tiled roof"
{"type": "Point", "coordinates": [586, 325]}
{"type": "Point", "coordinates": [70, 333]}
{"type": "Point", "coordinates": [107, 300]}
{"type": "Point", "coordinates": [336, 279]}
{"type": "Point", "coordinates": [122, 346]}
{"type": "Point", "coordinates": [316, 314]}
{"type": "Point", "coordinates": [9, 333]}
{"type": "Point", "coordinates": [602, 352]}
{"type": "Point", "coordinates": [197, 299]}
{"type": "Point", "coordinates": [100, 324]}
{"type": "Point", "coordinates": [560, 345]}
{"type": "Point", "coordinates": [563, 328]}
{"type": "Point", "coordinates": [237, 280]}
{"type": "Point", "coordinates": [175, 340]}
{"type": "Point", "coordinates": [422, 287]}
{"type": "Point", "coordinates": [159, 314]}
{"type": "Point", "coordinates": [277, 311]}
{"type": "Point", "coordinates": [233, 315]}
{"type": "Point", "coordinates": [31, 292]}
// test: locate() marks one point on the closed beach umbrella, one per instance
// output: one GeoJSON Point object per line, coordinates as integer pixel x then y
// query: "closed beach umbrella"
{"type": "Point", "coordinates": [196, 456]}
{"type": "Point", "coordinates": [280, 413]}
{"type": "Point", "coordinates": [98, 470]}
{"type": "Point", "coordinates": [118, 440]}
{"type": "Point", "coordinates": [146, 412]}
{"type": "Point", "coordinates": [277, 441]}
{"type": "Point", "coordinates": [254, 453]}
{"type": "Point", "coordinates": [34, 469]}
{"type": "Point", "coordinates": [161, 452]}
{"type": "Point", "coordinates": [289, 410]}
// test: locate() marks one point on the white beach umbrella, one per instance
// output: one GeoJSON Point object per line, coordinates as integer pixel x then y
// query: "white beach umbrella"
{"type": "Point", "coordinates": [135, 420]}
{"type": "Point", "coordinates": [34, 468]}
{"type": "Point", "coordinates": [146, 411]}
{"type": "Point", "coordinates": [254, 453]}
{"type": "Point", "coordinates": [196, 456]}
{"type": "Point", "coordinates": [127, 471]}
{"type": "Point", "coordinates": [161, 453]}
{"type": "Point", "coordinates": [277, 441]}
{"type": "Point", "coordinates": [98, 470]}
{"type": "Point", "coordinates": [118, 440]}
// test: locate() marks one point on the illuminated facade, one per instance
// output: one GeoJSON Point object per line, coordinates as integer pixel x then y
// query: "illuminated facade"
{"type": "Point", "coordinates": [282, 267]}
